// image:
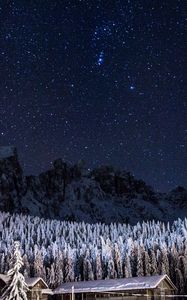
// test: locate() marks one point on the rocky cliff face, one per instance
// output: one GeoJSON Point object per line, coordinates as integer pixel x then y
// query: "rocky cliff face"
{"type": "Point", "coordinates": [12, 182]}
{"type": "Point", "coordinates": [74, 193]}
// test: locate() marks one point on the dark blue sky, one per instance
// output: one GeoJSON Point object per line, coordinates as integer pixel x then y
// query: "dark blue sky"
{"type": "Point", "coordinates": [98, 80]}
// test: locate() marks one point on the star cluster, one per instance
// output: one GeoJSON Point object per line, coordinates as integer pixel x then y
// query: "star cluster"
{"type": "Point", "coordinates": [98, 80]}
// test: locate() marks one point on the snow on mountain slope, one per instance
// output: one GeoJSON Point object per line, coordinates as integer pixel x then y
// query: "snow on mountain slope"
{"type": "Point", "coordinates": [7, 152]}
{"type": "Point", "coordinates": [74, 193]}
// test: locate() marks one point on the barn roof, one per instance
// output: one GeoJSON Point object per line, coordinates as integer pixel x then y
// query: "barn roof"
{"type": "Point", "coordinates": [46, 292]}
{"type": "Point", "coordinates": [31, 281]}
{"type": "Point", "coordinates": [106, 285]}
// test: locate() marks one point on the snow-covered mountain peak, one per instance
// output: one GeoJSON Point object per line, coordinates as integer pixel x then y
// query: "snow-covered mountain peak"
{"type": "Point", "coordinates": [71, 192]}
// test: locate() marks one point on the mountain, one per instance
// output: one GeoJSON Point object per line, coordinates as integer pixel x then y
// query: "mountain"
{"type": "Point", "coordinates": [71, 192]}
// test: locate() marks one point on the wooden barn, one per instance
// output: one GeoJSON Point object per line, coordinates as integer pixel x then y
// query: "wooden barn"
{"type": "Point", "coordinates": [38, 289]}
{"type": "Point", "coordinates": [148, 287]}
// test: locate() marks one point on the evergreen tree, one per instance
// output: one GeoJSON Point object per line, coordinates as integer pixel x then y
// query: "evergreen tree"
{"type": "Point", "coordinates": [2, 263]}
{"type": "Point", "coordinates": [51, 276]}
{"type": "Point", "coordinates": [165, 261]}
{"type": "Point", "coordinates": [16, 288]}
{"type": "Point", "coordinates": [58, 249]}
{"type": "Point", "coordinates": [87, 269]}
{"type": "Point", "coordinates": [69, 267]}
{"type": "Point", "coordinates": [59, 268]}
{"type": "Point", "coordinates": [127, 267]}
{"type": "Point", "coordinates": [180, 281]}
{"type": "Point", "coordinates": [99, 270]}
{"type": "Point", "coordinates": [153, 264]}
{"type": "Point", "coordinates": [111, 272]}
{"type": "Point", "coordinates": [140, 271]}
{"type": "Point", "coordinates": [39, 270]}
{"type": "Point", "coordinates": [118, 261]}
{"type": "Point", "coordinates": [26, 264]}
{"type": "Point", "coordinates": [147, 264]}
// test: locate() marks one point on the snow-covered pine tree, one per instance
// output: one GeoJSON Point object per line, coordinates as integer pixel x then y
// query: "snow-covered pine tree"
{"type": "Point", "coordinates": [16, 288]}
{"type": "Point", "coordinates": [26, 264]}
{"type": "Point", "coordinates": [147, 264]}
{"type": "Point", "coordinates": [59, 263]}
{"type": "Point", "coordinates": [140, 270]}
{"type": "Point", "coordinates": [39, 270]}
{"type": "Point", "coordinates": [127, 267]}
{"type": "Point", "coordinates": [111, 272]}
{"type": "Point", "coordinates": [153, 265]}
{"type": "Point", "coordinates": [64, 244]}
{"type": "Point", "coordinates": [87, 269]}
{"type": "Point", "coordinates": [165, 261]}
{"type": "Point", "coordinates": [98, 266]}
{"type": "Point", "coordinates": [51, 275]}
{"type": "Point", "coordinates": [180, 281]}
{"type": "Point", "coordinates": [2, 263]}
{"type": "Point", "coordinates": [118, 261]}
{"type": "Point", "coordinates": [69, 266]}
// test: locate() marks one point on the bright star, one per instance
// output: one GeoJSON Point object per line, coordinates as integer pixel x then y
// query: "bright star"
{"type": "Point", "coordinates": [100, 58]}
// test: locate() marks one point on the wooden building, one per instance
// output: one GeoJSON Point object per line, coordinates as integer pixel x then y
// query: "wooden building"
{"type": "Point", "coordinates": [38, 289]}
{"type": "Point", "coordinates": [148, 287]}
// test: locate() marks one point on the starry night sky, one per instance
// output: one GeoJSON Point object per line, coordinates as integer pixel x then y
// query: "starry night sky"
{"type": "Point", "coordinates": [99, 80]}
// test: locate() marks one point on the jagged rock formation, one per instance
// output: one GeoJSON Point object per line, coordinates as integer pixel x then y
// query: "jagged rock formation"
{"type": "Point", "coordinates": [74, 193]}
{"type": "Point", "coordinates": [12, 182]}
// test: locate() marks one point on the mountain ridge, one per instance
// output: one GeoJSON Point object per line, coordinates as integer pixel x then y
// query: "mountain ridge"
{"type": "Point", "coordinates": [73, 193]}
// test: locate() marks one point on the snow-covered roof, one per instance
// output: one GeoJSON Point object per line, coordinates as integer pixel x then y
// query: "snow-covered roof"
{"type": "Point", "coordinates": [107, 285]}
{"type": "Point", "coordinates": [4, 278]}
{"type": "Point", "coordinates": [31, 281]}
{"type": "Point", "coordinates": [7, 151]}
{"type": "Point", "coordinates": [47, 292]}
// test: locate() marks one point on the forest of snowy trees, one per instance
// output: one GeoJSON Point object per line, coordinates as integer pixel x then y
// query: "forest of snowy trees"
{"type": "Point", "coordinates": [64, 251]}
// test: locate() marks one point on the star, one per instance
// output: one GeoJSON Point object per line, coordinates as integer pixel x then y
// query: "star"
{"type": "Point", "coordinates": [100, 60]}
{"type": "Point", "coordinates": [95, 85]}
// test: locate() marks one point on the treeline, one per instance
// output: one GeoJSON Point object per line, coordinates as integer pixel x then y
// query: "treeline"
{"type": "Point", "coordinates": [68, 251]}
